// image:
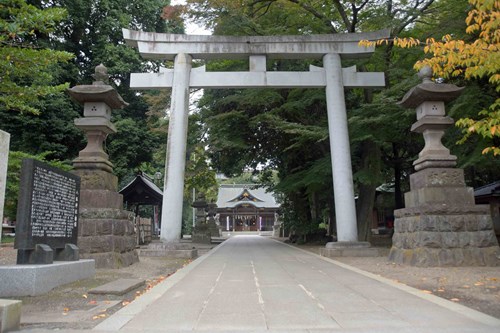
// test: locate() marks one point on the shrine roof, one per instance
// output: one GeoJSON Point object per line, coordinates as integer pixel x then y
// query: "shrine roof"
{"type": "Point", "coordinates": [142, 190]}
{"type": "Point", "coordinates": [233, 195]}
{"type": "Point", "coordinates": [489, 190]}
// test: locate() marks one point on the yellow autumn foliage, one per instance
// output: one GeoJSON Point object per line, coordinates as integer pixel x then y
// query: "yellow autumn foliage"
{"type": "Point", "coordinates": [456, 58]}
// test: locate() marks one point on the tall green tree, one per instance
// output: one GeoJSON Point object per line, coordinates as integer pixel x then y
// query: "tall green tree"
{"type": "Point", "coordinates": [26, 65]}
{"type": "Point", "coordinates": [474, 58]}
{"type": "Point", "coordinates": [92, 32]}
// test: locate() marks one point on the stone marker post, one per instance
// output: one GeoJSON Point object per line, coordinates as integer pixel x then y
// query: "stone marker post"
{"type": "Point", "coordinates": [4, 157]}
{"type": "Point", "coordinates": [106, 231]}
{"type": "Point", "coordinates": [441, 225]}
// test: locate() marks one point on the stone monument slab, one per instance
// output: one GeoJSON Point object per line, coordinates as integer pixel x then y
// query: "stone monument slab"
{"type": "Point", "coordinates": [47, 214]}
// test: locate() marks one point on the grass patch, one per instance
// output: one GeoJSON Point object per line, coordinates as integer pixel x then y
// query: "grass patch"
{"type": "Point", "coordinates": [8, 239]}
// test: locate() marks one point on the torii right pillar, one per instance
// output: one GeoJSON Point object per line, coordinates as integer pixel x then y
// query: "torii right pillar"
{"type": "Point", "coordinates": [441, 225]}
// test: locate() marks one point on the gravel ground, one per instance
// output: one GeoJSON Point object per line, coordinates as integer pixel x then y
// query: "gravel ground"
{"type": "Point", "coordinates": [70, 306]}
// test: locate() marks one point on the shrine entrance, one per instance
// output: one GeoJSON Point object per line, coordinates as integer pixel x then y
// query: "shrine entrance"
{"type": "Point", "coordinates": [258, 49]}
{"type": "Point", "coordinates": [246, 208]}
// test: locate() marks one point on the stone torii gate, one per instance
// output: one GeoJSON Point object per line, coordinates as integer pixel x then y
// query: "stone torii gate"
{"type": "Point", "coordinates": [184, 48]}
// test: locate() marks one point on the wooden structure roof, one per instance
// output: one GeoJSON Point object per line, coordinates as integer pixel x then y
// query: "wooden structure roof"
{"type": "Point", "coordinates": [490, 190]}
{"type": "Point", "coordinates": [235, 195]}
{"type": "Point", "coordinates": [142, 191]}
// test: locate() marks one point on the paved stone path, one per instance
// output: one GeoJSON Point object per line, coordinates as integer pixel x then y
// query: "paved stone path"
{"type": "Point", "coordinates": [257, 284]}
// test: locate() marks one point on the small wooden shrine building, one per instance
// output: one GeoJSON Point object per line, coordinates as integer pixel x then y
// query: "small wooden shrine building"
{"type": "Point", "coordinates": [142, 191]}
{"type": "Point", "coordinates": [246, 208]}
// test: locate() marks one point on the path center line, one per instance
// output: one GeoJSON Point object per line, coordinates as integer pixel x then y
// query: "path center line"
{"type": "Point", "coordinates": [257, 285]}
{"type": "Point", "coordinates": [311, 295]}
{"type": "Point", "coordinates": [207, 300]}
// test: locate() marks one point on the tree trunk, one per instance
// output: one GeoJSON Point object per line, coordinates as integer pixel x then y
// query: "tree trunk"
{"type": "Point", "coordinates": [370, 154]}
{"type": "Point", "coordinates": [398, 195]}
{"type": "Point", "coordinates": [332, 222]}
{"type": "Point", "coordinates": [313, 206]}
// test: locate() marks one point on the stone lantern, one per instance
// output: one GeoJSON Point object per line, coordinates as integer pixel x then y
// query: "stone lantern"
{"type": "Point", "coordinates": [428, 99]}
{"type": "Point", "coordinates": [212, 225]}
{"type": "Point", "coordinates": [441, 225]}
{"type": "Point", "coordinates": [201, 232]}
{"type": "Point", "coordinates": [98, 99]}
{"type": "Point", "coordinates": [200, 204]}
{"type": "Point", "coordinates": [106, 232]}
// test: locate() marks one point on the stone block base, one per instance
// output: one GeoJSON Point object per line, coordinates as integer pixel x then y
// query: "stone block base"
{"type": "Point", "coordinates": [101, 199]}
{"type": "Point", "coordinates": [213, 229]}
{"type": "Point", "coordinates": [10, 315]}
{"type": "Point", "coordinates": [202, 235]}
{"type": "Point", "coordinates": [33, 280]}
{"type": "Point", "coordinates": [444, 235]}
{"type": "Point", "coordinates": [113, 259]}
{"type": "Point", "coordinates": [95, 178]}
{"type": "Point", "coordinates": [118, 287]}
{"type": "Point", "coordinates": [348, 249]}
{"type": "Point", "coordinates": [108, 237]}
{"type": "Point", "coordinates": [171, 250]}
{"type": "Point", "coordinates": [431, 257]}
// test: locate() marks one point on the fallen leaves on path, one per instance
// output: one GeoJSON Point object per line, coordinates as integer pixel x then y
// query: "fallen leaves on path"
{"type": "Point", "coordinates": [102, 315]}
{"type": "Point", "coordinates": [150, 284]}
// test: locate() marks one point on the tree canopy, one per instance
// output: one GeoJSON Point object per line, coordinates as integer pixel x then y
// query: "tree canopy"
{"type": "Point", "coordinates": [475, 57]}
{"type": "Point", "coordinates": [26, 65]}
{"type": "Point", "coordinates": [47, 46]}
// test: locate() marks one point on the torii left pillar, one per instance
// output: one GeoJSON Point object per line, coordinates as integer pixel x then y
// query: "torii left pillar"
{"type": "Point", "coordinates": [176, 151]}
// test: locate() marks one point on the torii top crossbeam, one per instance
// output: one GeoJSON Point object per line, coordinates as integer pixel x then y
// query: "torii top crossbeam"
{"type": "Point", "coordinates": [257, 50]}
{"type": "Point", "coordinates": [167, 46]}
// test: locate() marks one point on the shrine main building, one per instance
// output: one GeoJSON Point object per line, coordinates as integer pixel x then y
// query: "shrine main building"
{"type": "Point", "coordinates": [246, 208]}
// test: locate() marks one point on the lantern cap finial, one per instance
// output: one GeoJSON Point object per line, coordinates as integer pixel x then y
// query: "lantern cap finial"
{"type": "Point", "coordinates": [101, 76]}
{"type": "Point", "coordinates": [425, 74]}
